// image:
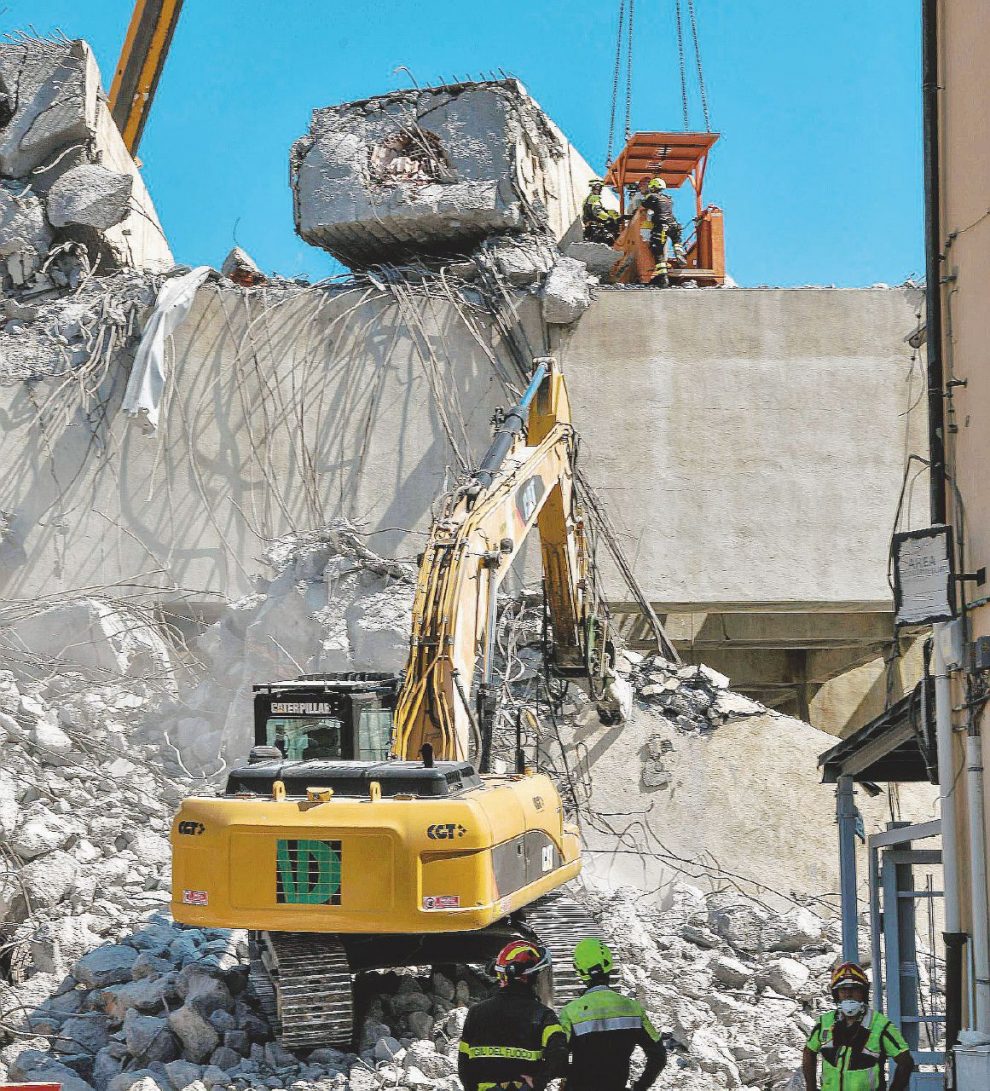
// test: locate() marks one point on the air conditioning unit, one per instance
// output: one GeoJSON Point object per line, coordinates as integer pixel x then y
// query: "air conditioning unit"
{"type": "Point", "coordinates": [972, 1068]}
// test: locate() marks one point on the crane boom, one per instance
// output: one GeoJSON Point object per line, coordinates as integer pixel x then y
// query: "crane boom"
{"type": "Point", "coordinates": [139, 68]}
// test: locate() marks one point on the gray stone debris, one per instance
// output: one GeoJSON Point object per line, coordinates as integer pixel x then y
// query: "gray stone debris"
{"type": "Point", "coordinates": [566, 295]}
{"type": "Point", "coordinates": [22, 219]}
{"type": "Point", "coordinates": [521, 259]}
{"type": "Point", "coordinates": [112, 995]}
{"type": "Point", "coordinates": [691, 698]}
{"type": "Point", "coordinates": [90, 196]}
{"type": "Point", "coordinates": [598, 257]}
{"type": "Point", "coordinates": [71, 198]}
{"type": "Point", "coordinates": [241, 268]}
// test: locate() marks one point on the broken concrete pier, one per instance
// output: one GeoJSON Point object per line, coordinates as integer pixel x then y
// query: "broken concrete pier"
{"type": "Point", "coordinates": [423, 173]}
{"type": "Point", "coordinates": [69, 189]}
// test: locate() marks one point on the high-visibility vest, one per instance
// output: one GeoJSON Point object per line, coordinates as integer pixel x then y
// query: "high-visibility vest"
{"type": "Point", "coordinates": [848, 1069]}
{"type": "Point", "coordinates": [600, 1009]}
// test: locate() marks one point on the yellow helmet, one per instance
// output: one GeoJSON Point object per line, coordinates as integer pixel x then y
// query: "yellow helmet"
{"type": "Point", "coordinates": [657, 184]}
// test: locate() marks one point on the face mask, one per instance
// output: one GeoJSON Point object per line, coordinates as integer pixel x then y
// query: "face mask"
{"type": "Point", "coordinates": [851, 1008]}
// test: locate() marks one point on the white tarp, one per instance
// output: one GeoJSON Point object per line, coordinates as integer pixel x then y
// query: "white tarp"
{"type": "Point", "coordinates": [143, 396]}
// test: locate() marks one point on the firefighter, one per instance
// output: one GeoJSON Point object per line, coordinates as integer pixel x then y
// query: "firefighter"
{"type": "Point", "coordinates": [853, 1041]}
{"type": "Point", "coordinates": [659, 204]}
{"type": "Point", "coordinates": [601, 224]}
{"type": "Point", "coordinates": [603, 1028]}
{"type": "Point", "coordinates": [512, 1041]}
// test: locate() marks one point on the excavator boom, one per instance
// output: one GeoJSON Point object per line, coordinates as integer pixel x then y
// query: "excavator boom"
{"type": "Point", "coordinates": [525, 480]}
{"type": "Point", "coordinates": [139, 69]}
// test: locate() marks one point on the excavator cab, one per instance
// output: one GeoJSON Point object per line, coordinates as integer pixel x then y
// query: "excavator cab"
{"type": "Point", "coordinates": [326, 717]}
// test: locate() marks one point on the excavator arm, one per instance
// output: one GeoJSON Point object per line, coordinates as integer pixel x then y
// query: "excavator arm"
{"type": "Point", "coordinates": [526, 480]}
{"type": "Point", "coordinates": [139, 69]}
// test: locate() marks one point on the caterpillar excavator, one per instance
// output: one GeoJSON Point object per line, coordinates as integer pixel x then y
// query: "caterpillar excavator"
{"type": "Point", "coordinates": [367, 828]}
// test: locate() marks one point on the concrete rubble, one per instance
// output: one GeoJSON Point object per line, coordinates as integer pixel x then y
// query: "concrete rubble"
{"type": "Point", "coordinates": [565, 292]}
{"type": "Point", "coordinates": [90, 196]}
{"type": "Point", "coordinates": [107, 993]}
{"type": "Point", "coordinates": [434, 171]}
{"type": "Point", "coordinates": [71, 199]}
{"type": "Point", "coordinates": [102, 714]}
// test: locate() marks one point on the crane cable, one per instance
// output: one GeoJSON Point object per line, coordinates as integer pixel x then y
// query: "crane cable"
{"type": "Point", "coordinates": [683, 65]}
{"type": "Point", "coordinates": [702, 91]}
{"type": "Point", "coordinates": [615, 82]}
{"type": "Point", "coordinates": [701, 74]}
{"type": "Point", "coordinates": [617, 72]}
{"type": "Point", "coordinates": [629, 69]}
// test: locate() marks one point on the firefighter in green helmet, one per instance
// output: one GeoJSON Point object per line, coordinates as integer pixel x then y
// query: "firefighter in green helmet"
{"type": "Point", "coordinates": [853, 1041]}
{"type": "Point", "coordinates": [603, 1027]}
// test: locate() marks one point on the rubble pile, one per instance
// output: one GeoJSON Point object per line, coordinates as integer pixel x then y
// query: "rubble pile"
{"type": "Point", "coordinates": [333, 605]}
{"type": "Point", "coordinates": [107, 993]}
{"type": "Point", "coordinates": [102, 718]}
{"type": "Point", "coordinates": [71, 199]}
{"type": "Point", "coordinates": [735, 985]}
{"type": "Point", "coordinates": [689, 698]}
{"type": "Point", "coordinates": [53, 333]}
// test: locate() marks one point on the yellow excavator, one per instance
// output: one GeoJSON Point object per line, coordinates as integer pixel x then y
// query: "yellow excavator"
{"type": "Point", "coordinates": [359, 834]}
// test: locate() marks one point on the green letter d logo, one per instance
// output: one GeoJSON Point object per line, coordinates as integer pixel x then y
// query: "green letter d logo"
{"type": "Point", "coordinates": [308, 873]}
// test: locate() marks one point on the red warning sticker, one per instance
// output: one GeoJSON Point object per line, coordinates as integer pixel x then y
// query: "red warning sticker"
{"type": "Point", "coordinates": [195, 897]}
{"type": "Point", "coordinates": [442, 901]}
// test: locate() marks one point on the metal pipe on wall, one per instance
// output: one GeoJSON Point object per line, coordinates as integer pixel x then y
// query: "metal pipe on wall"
{"type": "Point", "coordinates": [845, 807]}
{"type": "Point", "coordinates": [933, 247]}
{"type": "Point", "coordinates": [978, 882]}
{"type": "Point", "coordinates": [953, 936]}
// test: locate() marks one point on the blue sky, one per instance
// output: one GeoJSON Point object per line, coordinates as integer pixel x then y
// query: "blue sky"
{"type": "Point", "coordinates": [818, 169]}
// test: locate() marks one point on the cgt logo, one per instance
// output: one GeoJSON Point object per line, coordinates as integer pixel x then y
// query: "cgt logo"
{"type": "Point", "coordinates": [445, 831]}
{"type": "Point", "coordinates": [191, 829]}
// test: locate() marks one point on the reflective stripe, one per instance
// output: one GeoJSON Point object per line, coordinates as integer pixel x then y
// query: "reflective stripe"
{"type": "Point", "coordinates": [617, 1022]}
{"type": "Point", "coordinates": [601, 1009]}
{"type": "Point", "coordinates": [510, 1053]}
{"type": "Point", "coordinates": [550, 1030]}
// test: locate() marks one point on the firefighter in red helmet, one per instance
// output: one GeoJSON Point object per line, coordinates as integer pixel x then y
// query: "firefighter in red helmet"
{"type": "Point", "coordinates": [512, 1041]}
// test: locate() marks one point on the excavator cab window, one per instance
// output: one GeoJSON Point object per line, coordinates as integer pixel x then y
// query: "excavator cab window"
{"type": "Point", "coordinates": [374, 734]}
{"type": "Point", "coordinates": [305, 738]}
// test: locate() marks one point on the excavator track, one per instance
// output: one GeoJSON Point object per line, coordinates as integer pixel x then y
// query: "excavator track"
{"type": "Point", "coordinates": [309, 979]}
{"type": "Point", "coordinates": [558, 921]}
{"type": "Point", "coordinates": [260, 983]}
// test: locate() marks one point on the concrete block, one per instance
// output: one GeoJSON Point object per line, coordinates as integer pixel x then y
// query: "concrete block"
{"type": "Point", "coordinates": [54, 104]}
{"type": "Point", "coordinates": [91, 196]}
{"type": "Point", "coordinates": [433, 172]}
{"type": "Point", "coordinates": [521, 259]}
{"type": "Point", "coordinates": [62, 125]}
{"type": "Point", "coordinates": [565, 292]}
{"type": "Point", "coordinates": [598, 257]}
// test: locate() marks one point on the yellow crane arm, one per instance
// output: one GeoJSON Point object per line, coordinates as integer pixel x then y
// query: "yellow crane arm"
{"type": "Point", "coordinates": [524, 482]}
{"type": "Point", "coordinates": [139, 69]}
